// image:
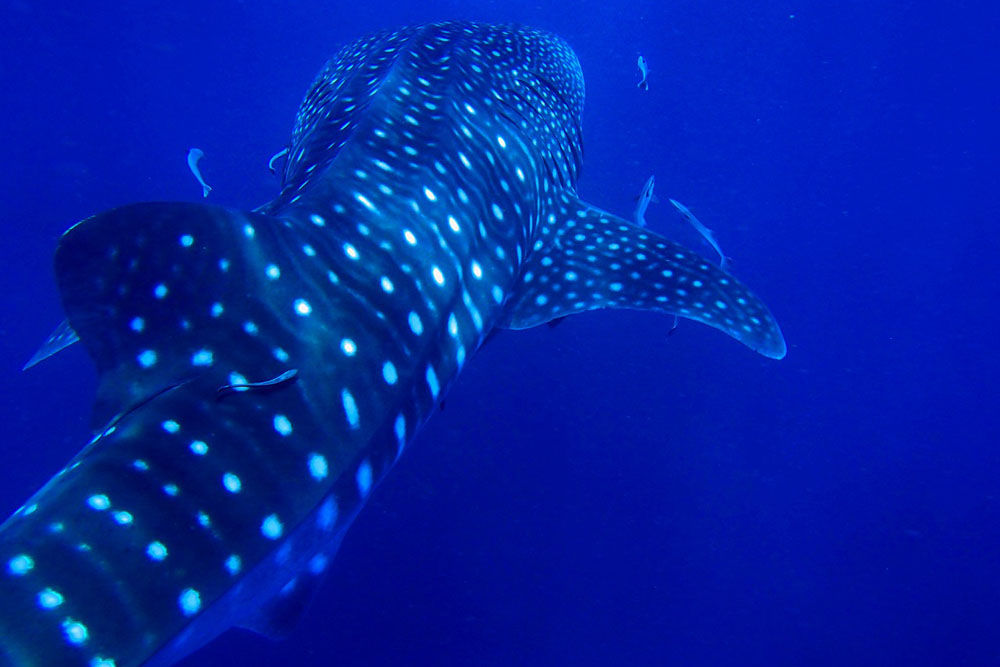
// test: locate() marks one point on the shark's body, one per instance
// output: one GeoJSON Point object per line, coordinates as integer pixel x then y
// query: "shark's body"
{"type": "Point", "coordinates": [428, 198]}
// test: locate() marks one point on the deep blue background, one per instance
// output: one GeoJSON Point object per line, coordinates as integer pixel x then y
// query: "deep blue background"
{"type": "Point", "coordinates": [599, 493]}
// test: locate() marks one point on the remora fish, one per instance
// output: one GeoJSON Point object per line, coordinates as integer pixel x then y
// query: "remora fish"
{"type": "Point", "coordinates": [643, 72]}
{"type": "Point", "coordinates": [643, 200]}
{"type": "Point", "coordinates": [429, 197]}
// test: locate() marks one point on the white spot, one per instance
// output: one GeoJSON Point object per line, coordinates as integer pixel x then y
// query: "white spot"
{"type": "Point", "coordinates": [387, 285]}
{"type": "Point", "coordinates": [156, 551]}
{"type": "Point", "coordinates": [250, 328]}
{"type": "Point", "coordinates": [202, 358]}
{"type": "Point", "coordinates": [139, 464]}
{"type": "Point", "coordinates": [477, 270]}
{"type": "Point", "coordinates": [170, 426]}
{"type": "Point", "coordinates": [234, 564]}
{"type": "Point", "coordinates": [217, 309]}
{"type": "Point", "coordinates": [437, 275]}
{"type": "Point", "coordinates": [160, 291]}
{"type": "Point", "coordinates": [189, 601]}
{"type": "Point", "coordinates": [282, 425]}
{"type": "Point", "coordinates": [348, 347]}
{"type": "Point", "coordinates": [317, 220]}
{"type": "Point", "coordinates": [204, 520]}
{"type": "Point", "coordinates": [364, 201]}
{"type": "Point", "coordinates": [615, 287]}
{"type": "Point", "coordinates": [249, 231]}
{"type": "Point", "coordinates": [198, 447]}
{"type": "Point", "coordinates": [232, 482]}
{"type": "Point", "coordinates": [49, 599]}
{"type": "Point", "coordinates": [309, 250]}
{"type": "Point", "coordinates": [350, 407]}
{"type": "Point", "coordinates": [187, 240]}
{"type": "Point", "coordinates": [351, 251]}
{"type": "Point", "coordinates": [137, 324]}
{"type": "Point", "coordinates": [364, 478]}
{"type": "Point", "coordinates": [432, 382]}
{"type": "Point", "coordinates": [318, 563]}
{"type": "Point", "coordinates": [74, 631]}
{"type": "Point", "coordinates": [541, 300]}
{"type": "Point", "coordinates": [280, 354]}
{"type": "Point", "coordinates": [272, 271]}
{"type": "Point", "coordinates": [318, 467]}
{"type": "Point", "coordinates": [416, 326]}
{"type": "Point", "coordinates": [497, 212]}
{"type": "Point", "coordinates": [452, 325]}
{"type": "Point", "coordinates": [497, 293]}
{"type": "Point", "coordinates": [122, 518]}
{"type": "Point", "coordinates": [400, 427]}
{"type": "Point", "coordinates": [237, 379]}
{"type": "Point", "coordinates": [271, 527]}
{"type": "Point", "coordinates": [389, 372]}
{"type": "Point", "coordinates": [146, 358]}
{"type": "Point", "coordinates": [429, 194]}
{"type": "Point", "coordinates": [453, 223]}
{"type": "Point", "coordinates": [282, 556]}
{"type": "Point", "coordinates": [327, 514]}
{"type": "Point", "coordinates": [302, 307]}
{"type": "Point", "coordinates": [501, 142]}
{"type": "Point", "coordinates": [99, 502]}
{"type": "Point", "coordinates": [410, 238]}
{"type": "Point", "coordinates": [20, 565]}
{"type": "Point", "coordinates": [98, 661]}
{"type": "Point", "coordinates": [170, 489]}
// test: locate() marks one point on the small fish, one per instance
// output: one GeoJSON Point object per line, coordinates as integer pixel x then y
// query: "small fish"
{"type": "Point", "coordinates": [275, 158]}
{"type": "Point", "coordinates": [644, 71]}
{"type": "Point", "coordinates": [194, 155]}
{"type": "Point", "coordinates": [702, 229]}
{"type": "Point", "coordinates": [285, 377]}
{"type": "Point", "coordinates": [642, 202]}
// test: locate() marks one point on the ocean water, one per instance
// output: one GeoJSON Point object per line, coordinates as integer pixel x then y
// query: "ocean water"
{"type": "Point", "coordinates": [601, 493]}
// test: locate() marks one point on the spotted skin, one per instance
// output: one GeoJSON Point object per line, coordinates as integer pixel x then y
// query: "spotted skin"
{"type": "Point", "coordinates": [427, 199]}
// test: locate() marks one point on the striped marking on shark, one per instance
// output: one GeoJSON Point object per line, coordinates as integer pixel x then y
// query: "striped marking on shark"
{"type": "Point", "coordinates": [261, 371]}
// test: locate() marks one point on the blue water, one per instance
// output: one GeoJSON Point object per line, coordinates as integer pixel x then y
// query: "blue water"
{"type": "Point", "coordinates": [600, 493]}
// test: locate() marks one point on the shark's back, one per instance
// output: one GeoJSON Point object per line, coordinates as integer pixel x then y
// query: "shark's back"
{"type": "Point", "coordinates": [400, 83]}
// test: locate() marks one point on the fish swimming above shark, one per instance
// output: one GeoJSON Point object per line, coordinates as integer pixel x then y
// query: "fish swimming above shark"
{"type": "Point", "coordinates": [260, 371]}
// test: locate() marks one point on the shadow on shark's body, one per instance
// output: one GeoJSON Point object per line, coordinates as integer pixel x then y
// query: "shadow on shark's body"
{"type": "Point", "coordinates": [428, 198]}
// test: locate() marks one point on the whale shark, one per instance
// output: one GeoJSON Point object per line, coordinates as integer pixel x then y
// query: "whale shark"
{"type": "Point", "coordinates": [260, 371]}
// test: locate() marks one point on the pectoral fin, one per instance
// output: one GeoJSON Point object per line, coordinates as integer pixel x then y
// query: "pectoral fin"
{"type": "Point", "coordinates": [586, 259]}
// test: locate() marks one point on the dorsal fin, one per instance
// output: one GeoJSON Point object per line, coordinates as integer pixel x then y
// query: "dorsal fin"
{"type": "Point", "coordinates": [139, 285]}
{"type": "Point", "coordinates": [586, 259]}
